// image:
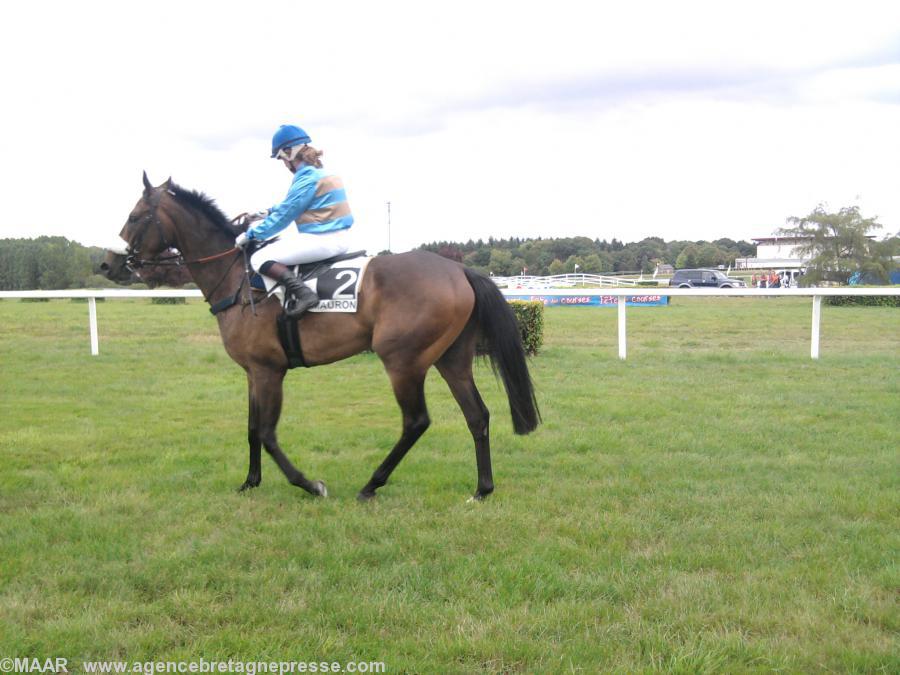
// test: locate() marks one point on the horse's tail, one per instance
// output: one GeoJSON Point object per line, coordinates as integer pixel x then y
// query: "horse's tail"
{"type": "Point", "coordinates": [504, 342]}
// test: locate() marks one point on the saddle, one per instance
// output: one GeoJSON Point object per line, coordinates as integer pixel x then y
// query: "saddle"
{"type": "Point", "coordinates": [308, 271]}
{"type": "Point", "coordinates": [336, 281]}
{"type": "Point", "coordinates": [314, 269]}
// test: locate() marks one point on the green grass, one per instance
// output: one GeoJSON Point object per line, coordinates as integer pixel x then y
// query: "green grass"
{"type": "Point", "coordinates": [717, 503]}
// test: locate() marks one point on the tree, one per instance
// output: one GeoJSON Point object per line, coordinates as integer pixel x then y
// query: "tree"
{"type": "Point", "coordinates": [839, 245]}
{"type": "Point", "coordinates": [557, 267]}
{"type": "Point", "coordinates": [501, 263]}
{"type": "Point", "coordinates": [480, 257]}
{"type": "Point", "coordinates": [45, 263]}
{"type": "Point", "coordinates": [710, 255]}
{"type": "Point", "coordinates": [571, 262]}
{"type": "Point", "coordinates": [688, 257]}
{"type": "Point", "coordinates": [451, 251]}
{"type": "Point", "coordinates": [592, 264]}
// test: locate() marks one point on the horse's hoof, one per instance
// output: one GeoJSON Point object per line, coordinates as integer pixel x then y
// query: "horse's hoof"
{"type": "Point", "coordinates": [365, 496]}
{"type": "Point", "coordinates": [319, 489]}
{"type": "Point", "coordinates": [247, 486]}
{"type": "Point", "coordinates": [477, 497]}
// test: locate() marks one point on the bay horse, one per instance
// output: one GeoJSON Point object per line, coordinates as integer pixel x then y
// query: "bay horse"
{"type": "Point", "coordinates": [415, 310]}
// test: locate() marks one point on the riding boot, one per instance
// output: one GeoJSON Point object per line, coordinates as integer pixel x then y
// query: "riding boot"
{"type": "Point", "coordinates": [299, 296]}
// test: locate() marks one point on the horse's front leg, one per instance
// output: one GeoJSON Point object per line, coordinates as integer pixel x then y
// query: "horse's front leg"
{"type": "Point", "coordinates": [254, 473]}
{"type": "Point", "coordinates": [266, 389]}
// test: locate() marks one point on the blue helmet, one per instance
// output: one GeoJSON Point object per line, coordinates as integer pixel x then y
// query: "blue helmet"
{"type": "Point", "coordinates": [288, 136]}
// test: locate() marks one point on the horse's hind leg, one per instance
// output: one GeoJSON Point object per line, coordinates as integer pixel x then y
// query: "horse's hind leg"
{"type": "Point", "coordinates": [409, 389]}
{"type": "Point", "coordinates": [266, 390]}
{"type": "Point", "coordinates": [456, 368]}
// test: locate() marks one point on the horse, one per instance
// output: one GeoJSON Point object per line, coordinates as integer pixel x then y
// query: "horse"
{"type": "Point", "coordinates": [416, 310]}
{"type": "Point", "coordinates": [164, 274]}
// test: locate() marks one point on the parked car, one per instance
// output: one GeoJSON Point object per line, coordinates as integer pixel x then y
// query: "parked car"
{"type": "Point", "coordinates": [703, 279]}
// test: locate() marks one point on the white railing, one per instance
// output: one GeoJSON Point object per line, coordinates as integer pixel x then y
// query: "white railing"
{"type": "Point", "coordinates": [93, 294]}
{"type": "Point", "coordinates": [565, 280]}
{"type": "Point", "coordinates": [815, 293]}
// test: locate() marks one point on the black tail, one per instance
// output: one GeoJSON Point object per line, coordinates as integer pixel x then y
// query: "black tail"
{"type": "Point", "coordinates": [504, 342]}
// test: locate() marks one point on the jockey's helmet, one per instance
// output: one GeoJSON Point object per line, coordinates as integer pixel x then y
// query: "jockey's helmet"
{"type": "Point", "coordinates": [288, 136]}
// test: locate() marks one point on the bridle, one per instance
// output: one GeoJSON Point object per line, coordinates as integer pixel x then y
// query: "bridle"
{"type": "Point", "coordinates": [134, 262]}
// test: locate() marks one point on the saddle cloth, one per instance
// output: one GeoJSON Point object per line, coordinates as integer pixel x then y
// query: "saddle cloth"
{"type": "Point", "coordinates": [336, 281]}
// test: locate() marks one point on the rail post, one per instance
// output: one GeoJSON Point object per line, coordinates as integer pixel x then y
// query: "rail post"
{"type": "Point", "coordinates": [622, 302]}
{"type": "Point", "coordinates": [816, 320]}
{"type": "Point", "coordinates": [92, 317]}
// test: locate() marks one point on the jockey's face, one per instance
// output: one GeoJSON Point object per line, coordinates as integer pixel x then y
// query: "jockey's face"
{"type": "Point", "coordinates": [285, 155]}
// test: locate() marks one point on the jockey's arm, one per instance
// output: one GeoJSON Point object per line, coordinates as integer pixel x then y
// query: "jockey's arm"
{"type": "Point", "coordinates": [299, 197]}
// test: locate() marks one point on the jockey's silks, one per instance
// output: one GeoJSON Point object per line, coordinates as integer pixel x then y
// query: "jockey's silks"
{"type": "Point", "coordinates": [315, 203]}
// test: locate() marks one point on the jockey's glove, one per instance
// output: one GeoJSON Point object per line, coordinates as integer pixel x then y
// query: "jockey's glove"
{"type": "Point", "coordinates": [242, 240]}
{"type": "Point", "coordinates": [245, 219]}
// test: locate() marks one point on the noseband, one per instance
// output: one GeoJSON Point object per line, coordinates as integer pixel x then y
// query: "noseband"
{"type": "Point", "coordinates": [133, 261]}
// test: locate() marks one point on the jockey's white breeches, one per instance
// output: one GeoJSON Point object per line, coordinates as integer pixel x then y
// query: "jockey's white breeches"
{"type": "Point", "coordinates": [294, 247]}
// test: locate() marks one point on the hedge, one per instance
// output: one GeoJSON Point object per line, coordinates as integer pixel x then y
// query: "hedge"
{"type": "Point", "coordinates": [863, 300]}
{"type": "Point", "coordinates": [530, 316]}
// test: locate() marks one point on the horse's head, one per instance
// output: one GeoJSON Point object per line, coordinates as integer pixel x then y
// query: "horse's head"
{"type": "Point", "coordinates": [165, 275]}
{"type": "Point", "coordinates": [147, 234]}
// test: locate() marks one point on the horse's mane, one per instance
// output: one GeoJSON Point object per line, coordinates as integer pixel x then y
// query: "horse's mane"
{"type": "Point", "coordinates": [199, 201]}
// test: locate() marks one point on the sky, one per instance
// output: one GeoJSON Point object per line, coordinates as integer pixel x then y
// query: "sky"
{"type": "Point", "coordinates": [683, 120]}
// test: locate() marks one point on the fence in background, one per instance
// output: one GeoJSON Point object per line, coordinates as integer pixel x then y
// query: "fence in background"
{"type": "Point", "coordinates": [93, 294]}
{"type": "Point", "coordinates": [815, 293]}
{"type": "Point", "coordinates": [569, 280]}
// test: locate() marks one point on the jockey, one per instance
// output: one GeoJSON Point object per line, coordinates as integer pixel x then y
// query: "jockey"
{"type": "Point", "coordinates": [312, 223]}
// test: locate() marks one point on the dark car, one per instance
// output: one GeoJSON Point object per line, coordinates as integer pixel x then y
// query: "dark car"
{"type": "Point", "coordinates": [703, 279]}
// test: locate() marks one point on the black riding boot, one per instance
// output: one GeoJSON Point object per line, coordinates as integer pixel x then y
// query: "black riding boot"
{"type": "Point", "coordinates": [299, 296]}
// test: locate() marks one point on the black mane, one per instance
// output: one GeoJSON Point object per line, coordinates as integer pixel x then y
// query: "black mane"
{"type": "Point", "coordinates": [198, 201]}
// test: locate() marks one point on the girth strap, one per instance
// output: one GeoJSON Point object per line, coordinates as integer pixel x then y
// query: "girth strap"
{"type": "Point", "coordinates": [289, 335]}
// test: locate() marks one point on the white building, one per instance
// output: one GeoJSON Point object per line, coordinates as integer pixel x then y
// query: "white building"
{"type": "Point", "coordinates": [775, 253]}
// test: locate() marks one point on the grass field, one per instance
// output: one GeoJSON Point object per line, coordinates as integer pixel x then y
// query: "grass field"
{"type": "Point", "coordinates": [717, 503]}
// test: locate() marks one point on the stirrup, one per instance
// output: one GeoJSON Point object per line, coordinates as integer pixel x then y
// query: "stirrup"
{"type": "Point", "coordinates": [297, 306]}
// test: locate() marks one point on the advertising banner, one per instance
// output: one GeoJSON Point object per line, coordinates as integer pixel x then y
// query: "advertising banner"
{"type": "Point", "coordinates": [552, 300]}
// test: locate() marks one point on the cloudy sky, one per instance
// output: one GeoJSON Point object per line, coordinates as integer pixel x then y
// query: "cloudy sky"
{"type": "Point", "coordinates": [685, 120]}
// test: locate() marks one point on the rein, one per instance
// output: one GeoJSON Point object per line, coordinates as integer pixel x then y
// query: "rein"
{"type": "Point", "coordinates": [133, 262]}
{"type": "Point", "coordinates": [177, 260]}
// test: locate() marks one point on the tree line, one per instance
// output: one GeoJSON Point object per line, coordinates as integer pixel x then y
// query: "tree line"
{"type": "Point", "coordinates": [841, 246]}
{"type": "Point", "coordinates": [543, 257]}
{"type": "Point", "coordinates": [49, 263]}
{"type": "Point", "coordinates": [54, 263]}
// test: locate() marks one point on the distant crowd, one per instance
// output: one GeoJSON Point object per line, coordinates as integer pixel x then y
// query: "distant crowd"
{"type": "Point", "coordinates": [771, 280]}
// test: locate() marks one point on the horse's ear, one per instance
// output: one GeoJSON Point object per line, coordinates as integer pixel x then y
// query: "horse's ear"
{"type": "Point", "coordinates": [168, 185]}
{"type": "Point", "coordinates": [147, 186]}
